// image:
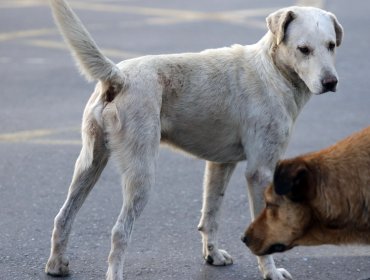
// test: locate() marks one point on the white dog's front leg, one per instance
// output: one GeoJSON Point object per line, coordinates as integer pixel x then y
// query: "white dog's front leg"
{"type": "Point", "coordinates": [216, 179]}
{"type": "Point", "coordinates": [268, 269]}
{"type": "Point", "coordinates": [258, 179]}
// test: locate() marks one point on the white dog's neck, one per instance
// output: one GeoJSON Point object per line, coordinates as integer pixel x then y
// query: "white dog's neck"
{"type": "Point", "coordinates": [295, 94]}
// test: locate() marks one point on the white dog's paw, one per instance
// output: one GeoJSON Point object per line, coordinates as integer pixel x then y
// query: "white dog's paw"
{"type": "Point", "coordinates": [114, 273]}
{"type": "Point", "coordinates": [218, 257]}
{"type": "Point", "coordinates": [277, 274]}
{"type": "Point", "coordinates": [57, 266]}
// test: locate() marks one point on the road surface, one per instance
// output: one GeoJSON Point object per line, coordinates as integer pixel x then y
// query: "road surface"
{"type": "Point", "coordinates": [42, 100]}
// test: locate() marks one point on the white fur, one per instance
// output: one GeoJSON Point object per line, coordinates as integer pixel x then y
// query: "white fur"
{"type": "Point", "coordinates": [223, 105]}
{"type": "Point", "coordinates": [93, 67]}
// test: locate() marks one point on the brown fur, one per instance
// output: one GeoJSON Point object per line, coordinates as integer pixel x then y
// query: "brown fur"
{"type": "Point", "coordinates": [318, 198]}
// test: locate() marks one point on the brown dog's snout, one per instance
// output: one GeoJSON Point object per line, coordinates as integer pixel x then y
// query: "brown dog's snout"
{"type": "Point", "coordinates": [329, 83]}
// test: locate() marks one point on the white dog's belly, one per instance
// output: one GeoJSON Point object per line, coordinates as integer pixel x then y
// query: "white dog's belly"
{"type": "Point", "coordinates": [209, 143]}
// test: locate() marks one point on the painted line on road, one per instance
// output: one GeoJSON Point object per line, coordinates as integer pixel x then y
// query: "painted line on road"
{"type": "Point", "coordinates": [21, 3]}
{"type": "Point", "coordinates": [166, 15]}
{"type": "Point", "coordinates": [179, 16]}
{"type": "Point", "coordinates": [312, 3]}
{"type": "Point", "coordinates": [24, 34]}
{"type": "Point", "coordinates": [27, 33]}
{"type": "Point", "coordinates": [59, 45]}
{"type": "Point", "coordinates": [53, 142]}
{"type": "Point", "coordinates": [25, 135]}
{"type": "Point", "coordinates": [160, 15]}
{"type": "Point", "coordinates": [36, 135]}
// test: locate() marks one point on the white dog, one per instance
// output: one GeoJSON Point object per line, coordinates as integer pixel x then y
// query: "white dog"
{"type": "Point", "coordinates": [223, 105]}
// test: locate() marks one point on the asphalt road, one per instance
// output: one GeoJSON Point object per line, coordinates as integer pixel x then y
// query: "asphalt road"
{"type": "Point", "coordinates": [42, 100]}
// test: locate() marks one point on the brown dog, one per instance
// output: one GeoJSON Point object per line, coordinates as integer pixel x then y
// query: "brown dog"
{"type": "Point", "coordinates": [318, 198]}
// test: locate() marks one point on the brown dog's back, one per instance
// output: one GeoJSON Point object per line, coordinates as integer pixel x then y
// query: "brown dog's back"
{"type": "Point", "coordinates": [344, 181]}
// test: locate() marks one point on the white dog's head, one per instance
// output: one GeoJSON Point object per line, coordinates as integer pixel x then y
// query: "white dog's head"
{"type": "Point", "coordinates": [306, 39]}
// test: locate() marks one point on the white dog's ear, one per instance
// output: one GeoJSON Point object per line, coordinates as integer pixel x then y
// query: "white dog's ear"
{"type": "Point", "coordinates": [338, 29]}
{"type": "Point", "coordinates": [278, 22]}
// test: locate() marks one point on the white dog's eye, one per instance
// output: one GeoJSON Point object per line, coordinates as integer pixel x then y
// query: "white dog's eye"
{"type": "Point", "coordinates": [331, 46]}
{"type": "Point", "coordinates": [304, 50]}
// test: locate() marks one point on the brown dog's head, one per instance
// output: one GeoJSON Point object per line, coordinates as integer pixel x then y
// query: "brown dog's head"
{"type": "Point", "coordinates": [286, 215]}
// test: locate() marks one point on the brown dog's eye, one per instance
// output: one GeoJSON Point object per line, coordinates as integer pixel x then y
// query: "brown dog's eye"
{"type": "Point", "coordinates": [270, 205]}
{"type": "Point", "coordinates": [304, 50]}
{"type": "Point", "coordinates": [331, 46]}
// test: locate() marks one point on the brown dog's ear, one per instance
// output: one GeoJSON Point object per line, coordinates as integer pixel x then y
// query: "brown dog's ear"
{"type": "Point", "coordinates": [291, 178]}
{"type": "Point", "coordinates": [338, 29]}
{"type": "Point", "coordinates": [278, 22]}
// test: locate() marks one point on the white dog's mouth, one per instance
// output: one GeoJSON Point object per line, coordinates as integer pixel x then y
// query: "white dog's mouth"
{"type": "Point", "coordinates": [325, 91]}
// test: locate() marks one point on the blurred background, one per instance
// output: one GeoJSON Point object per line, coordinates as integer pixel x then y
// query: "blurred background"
{"type": "Point", "coordinates": [42, 97]}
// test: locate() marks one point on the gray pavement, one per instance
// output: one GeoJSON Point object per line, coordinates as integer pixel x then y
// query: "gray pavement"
{"type": "Point", "coordinates": [42, 99]}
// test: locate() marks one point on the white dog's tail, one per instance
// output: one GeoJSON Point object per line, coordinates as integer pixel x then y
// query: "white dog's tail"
{"type": "Point", "coordinates": [90, 60]}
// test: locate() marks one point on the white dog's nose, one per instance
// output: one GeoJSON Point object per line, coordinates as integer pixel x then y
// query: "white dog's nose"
{"type": "Point", "coordinates": [329, 83]}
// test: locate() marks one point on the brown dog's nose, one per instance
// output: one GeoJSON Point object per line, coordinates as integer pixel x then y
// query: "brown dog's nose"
{"type": "Point", "coordinates": [245, 239]}
{"type": "Point", "coordinates": [329, 83]}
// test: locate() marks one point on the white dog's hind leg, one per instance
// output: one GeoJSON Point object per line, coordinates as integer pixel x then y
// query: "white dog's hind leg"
{"type": "Point", "coordinates": [135, 196]}
{"type": "Point", "coordinates": [258, 179]}
{"type": "Point", "coordinates": [88, 167]}
{"type": "Point", "coordinates": [135, 149]}
{"type": "Point", "coordinates": [216, 178]}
